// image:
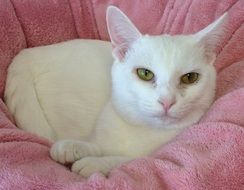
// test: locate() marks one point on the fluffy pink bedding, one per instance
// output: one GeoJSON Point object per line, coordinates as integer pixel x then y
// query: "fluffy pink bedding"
{"type": "Point", "coordinates": [207, 156]}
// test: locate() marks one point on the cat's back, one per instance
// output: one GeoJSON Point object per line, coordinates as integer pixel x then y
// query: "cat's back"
{"type": "Point", "coordinates": [61, 86]}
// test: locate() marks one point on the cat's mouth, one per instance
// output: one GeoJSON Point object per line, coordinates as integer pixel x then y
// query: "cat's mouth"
{"type": "Point", "coordinates": [165, 116]}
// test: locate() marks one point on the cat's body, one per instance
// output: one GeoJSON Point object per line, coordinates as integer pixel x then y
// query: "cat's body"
{"type": "Point", "coordinates": [160, 85]}
{"type": "Point", "coordinates": [56, 91]}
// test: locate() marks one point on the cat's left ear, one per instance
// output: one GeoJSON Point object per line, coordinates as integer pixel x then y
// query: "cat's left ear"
{"type": "Point", "coordinates": [210, 36]}
{"type": "Point", "coordinates": [122, 32]}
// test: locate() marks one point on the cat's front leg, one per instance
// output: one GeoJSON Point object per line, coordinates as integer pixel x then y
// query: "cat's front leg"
{"type": "Point", "coordinates": [89, 165]}
{"type": "Point", "coordinates": [68, 151]}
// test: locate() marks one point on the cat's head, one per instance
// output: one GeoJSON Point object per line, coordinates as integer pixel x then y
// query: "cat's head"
{"type": "Point", "coordinates": [162, 81]}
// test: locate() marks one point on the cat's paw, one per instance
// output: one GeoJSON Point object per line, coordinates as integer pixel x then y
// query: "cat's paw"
{"type": "Point", "coordinates": [64, 152]}
{"type": "Point", "coordinates": [90, 165]}
{"type": "Point", "coordinates": [68, 151]}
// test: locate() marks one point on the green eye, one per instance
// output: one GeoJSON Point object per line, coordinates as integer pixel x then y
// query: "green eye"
{"type": "Point", "coordinates": [145, 74]}
{"type": "Point", "coordinates": [189, 78]}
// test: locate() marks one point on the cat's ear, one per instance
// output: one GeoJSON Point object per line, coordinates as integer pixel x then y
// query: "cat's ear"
{"type": "Point", "coordinates": [210, 36]}
{"type": "Point", "coordinates": [121, 30]}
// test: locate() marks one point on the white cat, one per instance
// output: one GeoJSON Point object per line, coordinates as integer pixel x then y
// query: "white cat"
{"type": "Point", "coordinates": [160, 84]}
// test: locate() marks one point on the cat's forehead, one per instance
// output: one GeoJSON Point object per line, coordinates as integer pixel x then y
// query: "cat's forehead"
{"type": "Point", "coordinates": [168, 53]}
{"type": "Point", "coordinates": [167, 44]}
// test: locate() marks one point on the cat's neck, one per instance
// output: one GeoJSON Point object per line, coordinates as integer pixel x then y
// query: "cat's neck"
{"type": "Point", "coordinates": [116, 135]}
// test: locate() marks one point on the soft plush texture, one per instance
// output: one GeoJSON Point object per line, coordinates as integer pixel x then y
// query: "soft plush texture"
{"type": "Point", "coordinates": [209, 155]}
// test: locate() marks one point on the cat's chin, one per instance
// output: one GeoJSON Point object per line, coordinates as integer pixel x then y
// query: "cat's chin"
{"type": "Point", "coordinates": [167, 117]}
{"type": "Point", "coordinates": [161, 120]}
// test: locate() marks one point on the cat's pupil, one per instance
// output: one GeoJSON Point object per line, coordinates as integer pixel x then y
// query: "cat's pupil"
{"type": "Point", "coordinates": [192, 76]}
{"type": "Point", "coordinates": [189, 76]}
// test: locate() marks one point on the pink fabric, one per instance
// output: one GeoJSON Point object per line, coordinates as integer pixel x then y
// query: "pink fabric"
{"type": "Point", "coordinates": [207, 156]}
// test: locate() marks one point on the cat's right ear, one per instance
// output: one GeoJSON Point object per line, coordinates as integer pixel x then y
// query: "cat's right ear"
{"type": "Point", "coordinates": [122, 32]}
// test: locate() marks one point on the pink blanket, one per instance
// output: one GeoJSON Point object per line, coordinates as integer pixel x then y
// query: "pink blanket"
{"type": "Point", "coordinates": [207, 156]}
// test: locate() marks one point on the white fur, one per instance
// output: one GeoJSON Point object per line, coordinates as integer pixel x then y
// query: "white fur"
{"type": "Point", "coordinates": [57, 91]}
{"type": "Point", "coordinates": [133, 123]}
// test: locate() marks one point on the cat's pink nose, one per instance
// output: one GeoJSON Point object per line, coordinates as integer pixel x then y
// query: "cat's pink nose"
{"type": "Point", "coordinates": [167, 104]}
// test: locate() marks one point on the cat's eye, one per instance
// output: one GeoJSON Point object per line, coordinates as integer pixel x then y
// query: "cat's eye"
{"type": "Point", "coordinates": [145, 74]}
{"type": "Point", "coordinates": [189, 78]}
